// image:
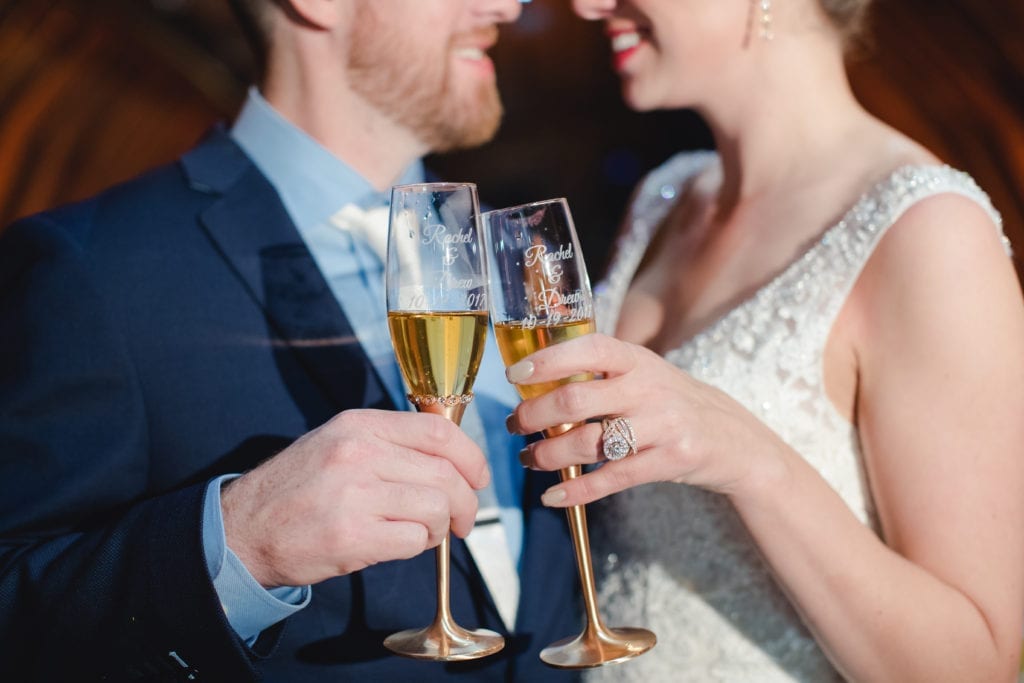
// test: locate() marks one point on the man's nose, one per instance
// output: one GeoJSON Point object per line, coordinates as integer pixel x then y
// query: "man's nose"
{"type": "Point", "coordinates": [499, 11]}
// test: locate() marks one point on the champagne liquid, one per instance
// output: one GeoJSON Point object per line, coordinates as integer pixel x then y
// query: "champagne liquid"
{"type": "Point", "coordinates": [515, 342]}
{"type": "Point", "coordinates": [439, 353]}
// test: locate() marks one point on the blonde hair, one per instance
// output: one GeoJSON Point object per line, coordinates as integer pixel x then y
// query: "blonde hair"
{"type": "Point", "coordinates": [848, 16]}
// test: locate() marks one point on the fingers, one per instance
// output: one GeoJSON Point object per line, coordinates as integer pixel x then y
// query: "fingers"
{"type": "Point", "coordinates": [574, 402]}
{"type": "Point", "coordinates": [608, 479]}
{"type": "Point", "coordinates": [431, 462]}
{"type": "Point", "coordinates": [376, 522]}
{"type": "Point", "coordinates": [407, 467]}
{"type": "Point", "coordinates": [594, 353]}
{"type": "Point", "coordinates": [618, 362]}
{"type": "Point", "coordinates": [428, 434]}
{"type": "Point", "coordinates": [581, 445]}
{"type": "Point", "coordinates": [371, 539]}
{"type": "Point", "coordinates": [404, 540]}
{"type": "Point", "coordinates": [424, 505]}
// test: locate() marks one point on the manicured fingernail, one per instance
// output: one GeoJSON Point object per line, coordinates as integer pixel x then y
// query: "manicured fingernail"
{"type": "Point", "coordinates": [510, 423]}
{"type": "Point", "coordinates": [553, 496]}
{"type": "Point", "coordinates": [519, 371]}
{"type": "Point", "coordinates": [525, 459]}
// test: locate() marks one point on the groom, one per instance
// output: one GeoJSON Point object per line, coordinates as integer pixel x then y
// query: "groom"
{"type": "Point", "coordinates": [202, 472]}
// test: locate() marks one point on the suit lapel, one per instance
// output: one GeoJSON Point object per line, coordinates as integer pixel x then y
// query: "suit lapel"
{"type": "Point", "coordinates": [254, 234]}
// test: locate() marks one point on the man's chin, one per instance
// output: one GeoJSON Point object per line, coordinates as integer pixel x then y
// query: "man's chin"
{"type": "Point", "coordinates": [471, 127]}
{"type": "Point", "coordinates": [469, 138]}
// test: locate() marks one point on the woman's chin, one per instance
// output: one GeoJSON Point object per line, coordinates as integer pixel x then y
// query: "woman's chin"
{"type": "Point", "coordinates": [653, 97]}
{"type": "Point", "coordinates": [636, 99]}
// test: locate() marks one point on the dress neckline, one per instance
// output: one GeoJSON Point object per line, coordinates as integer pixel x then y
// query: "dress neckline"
{"type": "Point", "coordinates": [858, 212]}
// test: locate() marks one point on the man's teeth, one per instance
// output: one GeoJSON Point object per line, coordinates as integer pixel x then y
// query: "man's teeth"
{"type": "Point", "coordinates": [469, 53]}
{"type": "Point", "coordinates": [624, 41]}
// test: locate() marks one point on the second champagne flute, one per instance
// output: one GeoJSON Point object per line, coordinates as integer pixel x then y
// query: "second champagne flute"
{"type": "Point", "coordinates": [437, 314]}
{"type": "Point", "coordinates": [540, 295]}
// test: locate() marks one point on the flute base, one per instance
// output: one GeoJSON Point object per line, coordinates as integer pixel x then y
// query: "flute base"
{"type": "Point", "coordinates": [597, 647]}
{"type": "Point", "coordinates": [444, 643]}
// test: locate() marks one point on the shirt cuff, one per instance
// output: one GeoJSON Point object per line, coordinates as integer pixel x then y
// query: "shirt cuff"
{"type": "Point", "coordinates": [248, 606]}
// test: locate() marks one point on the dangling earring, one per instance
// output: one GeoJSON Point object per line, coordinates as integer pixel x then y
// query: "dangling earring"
{"type": "Point", "coordinates": [766, 19]}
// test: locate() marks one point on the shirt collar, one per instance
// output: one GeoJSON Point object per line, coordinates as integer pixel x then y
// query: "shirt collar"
{"type": "Point", "coordinates": [313, 183]}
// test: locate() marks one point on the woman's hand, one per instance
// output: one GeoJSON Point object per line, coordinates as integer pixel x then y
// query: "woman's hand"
{"type": "Point", "coordinates": [686, 431]}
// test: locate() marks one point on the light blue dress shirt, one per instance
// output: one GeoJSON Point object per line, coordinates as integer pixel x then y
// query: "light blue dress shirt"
{"type": "Point", "coordinates": [314, 185]}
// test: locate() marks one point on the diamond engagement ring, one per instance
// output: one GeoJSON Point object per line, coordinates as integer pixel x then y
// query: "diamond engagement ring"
{"type": "Point", "coordinates": [618, 439]}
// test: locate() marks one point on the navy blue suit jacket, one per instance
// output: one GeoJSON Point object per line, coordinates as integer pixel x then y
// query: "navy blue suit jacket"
{"type": "Point", "coordinates": [165, 332]}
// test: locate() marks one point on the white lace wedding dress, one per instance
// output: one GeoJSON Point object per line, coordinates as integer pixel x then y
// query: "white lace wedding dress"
{"type": "Point", "coordinates": [677, 559]}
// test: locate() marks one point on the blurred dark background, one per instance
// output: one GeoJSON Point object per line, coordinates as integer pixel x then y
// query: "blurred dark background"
{"type": "Point", "coordinates": [95, 91]}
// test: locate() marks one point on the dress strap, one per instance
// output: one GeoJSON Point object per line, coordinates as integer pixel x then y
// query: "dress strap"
{"type": "Point", "coordinates": [655, 196]}
{"type": "Point", "coordinates": [846, 247]}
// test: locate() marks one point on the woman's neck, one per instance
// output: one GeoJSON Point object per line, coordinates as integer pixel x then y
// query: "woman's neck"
{"type": "Point", "coordinates": [791, 128]}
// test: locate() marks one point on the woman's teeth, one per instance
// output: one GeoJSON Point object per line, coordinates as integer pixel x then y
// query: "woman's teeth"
{"type": "Point", "coordinates": [625, 41]}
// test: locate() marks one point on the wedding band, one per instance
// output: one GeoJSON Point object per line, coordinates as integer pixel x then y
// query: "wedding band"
{"type": "Point", "coordinates": [618, 439]}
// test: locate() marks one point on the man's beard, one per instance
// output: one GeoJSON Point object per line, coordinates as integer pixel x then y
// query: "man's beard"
{"type": "Point", "coordinates": [416, 90]}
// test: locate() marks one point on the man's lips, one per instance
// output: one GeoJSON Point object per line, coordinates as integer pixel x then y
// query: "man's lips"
{"type": "Point", "coordinates": [474, 44]}
{"type": "Point", "coordinates": [473, 53]}
{"type": "Point", "coordinates": [471, 48]}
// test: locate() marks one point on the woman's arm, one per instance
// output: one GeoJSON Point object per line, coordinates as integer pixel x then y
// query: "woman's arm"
{"type": "Point", "coordinates": [938, 329]}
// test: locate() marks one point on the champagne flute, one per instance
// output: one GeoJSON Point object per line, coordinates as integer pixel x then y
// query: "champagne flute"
{"type": "Point", "coordinates": [437, 315]}
{"type": "Point", "coordinates": [540, 295]}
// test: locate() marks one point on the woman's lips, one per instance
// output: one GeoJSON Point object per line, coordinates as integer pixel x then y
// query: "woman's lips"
{"type": "Point", "coordinates": [624, 45]}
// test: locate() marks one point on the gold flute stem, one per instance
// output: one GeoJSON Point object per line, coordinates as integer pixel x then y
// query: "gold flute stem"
{"type": "Point", "coordinates": [581, 543]}
{"type": "Point", "coordinates": [443, 560]}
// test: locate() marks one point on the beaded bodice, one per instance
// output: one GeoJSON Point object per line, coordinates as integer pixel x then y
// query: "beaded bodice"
{"type": "Point", "coordinates": [677, 559]}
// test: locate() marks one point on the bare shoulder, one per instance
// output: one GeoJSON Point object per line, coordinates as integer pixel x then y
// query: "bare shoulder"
{"type": "Point", "coordinates": [938, 283]}
{"type": "Point", "coordinates": [946, 240]}
{"type": "Point", "coordinates": [940, 279]}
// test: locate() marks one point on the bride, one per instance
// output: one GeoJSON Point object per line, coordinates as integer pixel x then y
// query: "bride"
{"type": "Point", "coordinates": [820, 351]}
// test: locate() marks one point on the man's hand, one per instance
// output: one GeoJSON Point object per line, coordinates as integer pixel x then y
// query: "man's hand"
{"type": "Point", "coordinates": [366, 487]}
